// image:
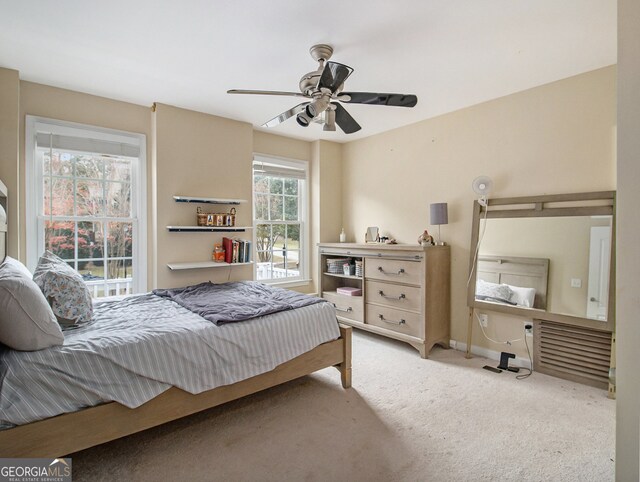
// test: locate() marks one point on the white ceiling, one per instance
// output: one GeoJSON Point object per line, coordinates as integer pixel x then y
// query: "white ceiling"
{"type": "Point", "coordinates": [188, 53]}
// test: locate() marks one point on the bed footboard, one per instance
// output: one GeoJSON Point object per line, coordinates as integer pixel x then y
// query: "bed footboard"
{"type": "Point", "coordinates": [345, 366]}
{"type": "Point", "coordinates": [68, 433]}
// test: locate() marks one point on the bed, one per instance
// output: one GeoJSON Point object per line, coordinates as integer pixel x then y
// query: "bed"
{"type": "Point", "coordinates": [155, 402]}
{"type": "Point", "coordinates": [138, 395]}
{"type": "Point", "coordinates": [525, 280]}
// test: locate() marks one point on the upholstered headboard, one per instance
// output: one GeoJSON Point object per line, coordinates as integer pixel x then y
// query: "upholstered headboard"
{"type": "Point", "coordinates": [3, 221]}
{"type": "Point", "coordinates": [523, 272]}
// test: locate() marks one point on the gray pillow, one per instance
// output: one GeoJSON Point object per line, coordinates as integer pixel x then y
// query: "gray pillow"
{"type": "Point", "coordinates": [65, 290]}
{"type": "Point", "coordinates": [27, 322]}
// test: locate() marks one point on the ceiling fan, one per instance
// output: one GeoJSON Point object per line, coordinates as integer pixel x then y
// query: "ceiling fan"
{"type": "Point", "coordinates": [324, 87]}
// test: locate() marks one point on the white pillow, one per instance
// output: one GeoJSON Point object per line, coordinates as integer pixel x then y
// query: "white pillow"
{"type": "Point", "coordinates": [27, 322]}
{"type": "Point", "coordinates": [523, 296]}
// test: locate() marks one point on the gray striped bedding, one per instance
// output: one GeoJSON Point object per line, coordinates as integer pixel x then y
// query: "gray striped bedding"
{"type": "Point", "coordinates": [139, 347]}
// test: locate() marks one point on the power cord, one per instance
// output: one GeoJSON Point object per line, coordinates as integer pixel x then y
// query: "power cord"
{"type": "Point", "coordinates": [526, 375]}
{"type": "Point", "coordinates": [508, 342]}
{"type": "Point", "coordinates": [475, 254]}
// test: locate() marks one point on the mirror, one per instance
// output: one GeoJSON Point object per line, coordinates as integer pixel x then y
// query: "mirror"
{"type": "Point", "coordinates": [372, 235]}
{"type": "Point", "coordinates": [545, 257]}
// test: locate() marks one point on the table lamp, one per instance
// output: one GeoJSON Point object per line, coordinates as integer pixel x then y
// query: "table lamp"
{"type": "Point", "coordinates": [439, 216]}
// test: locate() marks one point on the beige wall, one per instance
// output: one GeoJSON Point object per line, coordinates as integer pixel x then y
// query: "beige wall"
{"type": "Point", "coordinates": [326, 199]}
{"type": "Point", "coordinates": [551, 139]}
{"type": "Point", "coordinates": [628, 233]}
{"type": "Point", "coordinates": [9, 151]}
{"type": "Point", "coordinates": [565, 241]}
{"type": "Point", "coordinates": [280, 146]}
{"type": "Point", "coordinates": [198, 154]}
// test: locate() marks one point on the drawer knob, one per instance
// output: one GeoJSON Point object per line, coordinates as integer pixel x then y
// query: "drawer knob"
{"type": "Point", "coordinates": [401, 297]}
{"type": "Point", "coordinates": [400, 271]}
{"type": "Point", "coordinates": [393, 322]}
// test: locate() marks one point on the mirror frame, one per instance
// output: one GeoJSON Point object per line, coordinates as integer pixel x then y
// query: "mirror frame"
{"type": "Point", "coordinates": [550, 205]}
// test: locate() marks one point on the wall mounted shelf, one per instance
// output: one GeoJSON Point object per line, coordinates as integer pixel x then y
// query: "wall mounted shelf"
{"type": "Point", "coordinates": [203, 264]}
{"type": "Point", "coordinates": [208, 229]}
{"type": "Point", "coordinates": [207, 200]}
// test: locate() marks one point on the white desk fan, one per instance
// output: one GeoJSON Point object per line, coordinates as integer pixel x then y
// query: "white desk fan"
{"type": "Point", "coordinates": [482, 186]}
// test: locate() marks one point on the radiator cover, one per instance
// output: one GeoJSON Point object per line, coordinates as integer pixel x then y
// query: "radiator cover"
{"type": "Point", "coordinates": [572, 352]}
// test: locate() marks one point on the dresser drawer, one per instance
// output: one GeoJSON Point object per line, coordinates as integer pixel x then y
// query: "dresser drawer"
{"type": "Point", "coordinates": [399, 321]}
{"type": "Point", "coordinates": [397, 270]}
{"type": "Point", "coordinates": [397, 296]}
{"type": "Point", "coordinates": [351, 307]}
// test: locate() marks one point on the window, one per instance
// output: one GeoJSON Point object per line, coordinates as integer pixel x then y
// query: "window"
{"type": "Point", "coordinates": [279, 218]}
{"type": "Point", "coordinates": [85, 194]}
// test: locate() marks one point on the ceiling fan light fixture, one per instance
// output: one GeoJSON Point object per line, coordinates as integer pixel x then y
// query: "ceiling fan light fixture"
{"type": "Point", "coordinates": [303, 119]}
{"type": "Point", "coordinates": [317, 106]}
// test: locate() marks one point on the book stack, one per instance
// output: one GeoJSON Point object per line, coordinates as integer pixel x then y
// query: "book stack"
{"type": "Point", "coordinates": [348, 291]}
{"type": "Point", "coordinates": [236, 250]}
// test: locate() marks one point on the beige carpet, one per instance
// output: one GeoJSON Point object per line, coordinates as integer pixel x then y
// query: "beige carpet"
{"type": "Point", "coordinates": [442, 419]}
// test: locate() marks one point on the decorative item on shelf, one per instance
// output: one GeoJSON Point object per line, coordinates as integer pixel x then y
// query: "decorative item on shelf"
{"type": "Point", "coordinates": [201, 217]}
{"type": "Point", "coordinates": [387, 240]}
{"type": "Point", "coordinates": [359, 268]}
{"type": "Point", "coordinates": [349, 291]}
{"type": "Point", "coordinates": [230, 218]}
{"type": "Point", "coordinates": [218, 253]}
{"type": "Point", "coordinates": [371, 236]}
{"type": "Point", "coordinates": [343, 236]}
{"type": "Point", "coordinates": [425, 239]}
{"type": "Point", "coordinates": [349, 268]}
{"type": "Point", "coordinates": [439, 216]}
{"type": "Point", "coordinates": [334, 265]}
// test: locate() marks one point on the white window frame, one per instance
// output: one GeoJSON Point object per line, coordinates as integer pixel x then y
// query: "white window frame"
{"type": "Point", "coordinates": [304, 278]}
{"type": "Point", "coordinates": [34, 195]}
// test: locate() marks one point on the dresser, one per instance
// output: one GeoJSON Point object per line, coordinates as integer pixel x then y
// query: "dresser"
{"type": "Point", "coordinates": [404, 290]}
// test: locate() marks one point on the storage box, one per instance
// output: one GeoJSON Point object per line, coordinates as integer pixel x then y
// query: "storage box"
{"type": "Point", "coordinates": [334, 265]}
{"type": "Point", "coordinates": [349, 291]}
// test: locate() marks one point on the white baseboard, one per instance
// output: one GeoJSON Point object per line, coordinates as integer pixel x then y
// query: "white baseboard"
{"type": "Point", "coordinates": [490, 354]}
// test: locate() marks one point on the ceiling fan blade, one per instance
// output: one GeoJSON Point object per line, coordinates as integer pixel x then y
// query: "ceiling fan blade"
{"type": "Point", "coordinates": [397, 100]}
{"type": "Point", "coordinates": [334, 75]}
{"type": "Point", "coordinates": [265, 92]}
{"type": "Point", "coordinates": [285, 115]}
{"type": "Point", "coordinates": [347, 123]}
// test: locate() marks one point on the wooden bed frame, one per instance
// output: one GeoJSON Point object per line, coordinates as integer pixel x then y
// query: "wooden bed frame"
{"type": "Point", "coordinates": [71, 432]}
{"type": "Point", "coordinates": [517, 271]}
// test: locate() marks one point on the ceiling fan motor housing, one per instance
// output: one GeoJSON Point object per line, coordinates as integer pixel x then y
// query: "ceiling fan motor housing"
{"type": "Point", "coordinates": [309, 81]}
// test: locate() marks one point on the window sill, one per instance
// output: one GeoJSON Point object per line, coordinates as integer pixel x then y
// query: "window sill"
{"type": "Point", "coordinates": [287, 284]}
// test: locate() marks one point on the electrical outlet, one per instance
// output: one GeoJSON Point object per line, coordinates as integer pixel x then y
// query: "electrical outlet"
{"type": "Point", "coordinates": [528, 331]}
{"type": "Point", "coordinates": [484, 319]}
{"type": "Point", "coordinates": [576, 283]}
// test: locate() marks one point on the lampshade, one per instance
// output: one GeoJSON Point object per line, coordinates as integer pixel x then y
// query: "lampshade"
{"type": "Point", "coordinates": [439, 214]}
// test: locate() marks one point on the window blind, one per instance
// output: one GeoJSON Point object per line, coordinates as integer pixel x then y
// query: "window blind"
{"type": "Point", "coordinates": [278, 171]}
{"type": "Point", "coordinates": [85, 144]}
